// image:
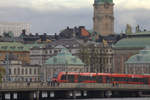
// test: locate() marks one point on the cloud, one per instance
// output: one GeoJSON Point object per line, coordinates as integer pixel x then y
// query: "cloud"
{"type": "Point", "coordinates": [54, 15]}
{"type": "Point", "coordinates": [133, 17]}
{"type": "Point", "coordinates": [46, 5]}
{"type": "Point", "coordinates": [132, 4]}
{"type": "Point", "coordinates": [50, 22]}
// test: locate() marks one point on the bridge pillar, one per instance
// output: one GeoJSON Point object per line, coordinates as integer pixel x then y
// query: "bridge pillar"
{"type": "Point", "coordinates": [31, 96]}
{"type": "Point", "coordinates": [2, 96]}
{"type": "Point", "coordinates": [20, 96]}
{"type": "Point", "coordinates": [84, 93]}
{"type": "Point", "coordinates": [74, 94]}
{"type": "Point", "coordinates": [37, 95]}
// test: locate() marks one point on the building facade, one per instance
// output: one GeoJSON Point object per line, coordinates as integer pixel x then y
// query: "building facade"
{"type": "Point", "coordinates": [17, 72]}
{"type": "Point", "coordinates": [103, 17]}
{"type": "Point", "coordinates": [127, 47]}
{"type": "Point", "coordinates": [15, 28]}
{"type": "Point", "coordinates": [139, 63]}
{"type": "Point", "coordinates": [98, 56]}
{"type": "Point", "coordinates": [14, 51]}
{"type": "Point", "coordinates": [64, 61]}
{"type": "Point", "coordinates": [39, 53]}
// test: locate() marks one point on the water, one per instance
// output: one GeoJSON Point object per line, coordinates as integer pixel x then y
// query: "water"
{"type": "Point", "coordinates": [112, 99]}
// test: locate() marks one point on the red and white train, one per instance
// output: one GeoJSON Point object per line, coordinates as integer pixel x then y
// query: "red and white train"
{"type": "Point", "coordinates": [74, 77]}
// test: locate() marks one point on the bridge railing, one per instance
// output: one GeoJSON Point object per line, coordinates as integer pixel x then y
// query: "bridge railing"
{"type": "Point", "coordinates": [44, 86]}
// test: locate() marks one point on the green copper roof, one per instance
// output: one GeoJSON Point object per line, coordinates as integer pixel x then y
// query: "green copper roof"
{"type": "Point", "coordinates": [103, 1]}
{"type": "Point", "coordinates": [142, 57]}
{"type": "Point", "coordinates": [144, 32]}
{"type": "Point", "coordinates": [12, 46]}
{"type": "Point", "coordinates": [141, 42]}
{"type": "Point", "coordinates": [35, 45]}
{"type": "Point", "coordinates": [64, 58]}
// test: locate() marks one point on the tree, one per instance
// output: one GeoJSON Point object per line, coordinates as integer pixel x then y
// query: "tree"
{"type": "Point", "coordinates": [2, 72]}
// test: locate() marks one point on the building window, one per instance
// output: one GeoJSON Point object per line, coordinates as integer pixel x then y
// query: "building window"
{"type": "Point", "coordinates": [34, 70]}
{"type": "Point", "coordinates": [50, 52]}
{"type": "Point", "coordinates": [55, 51]}
{"type": "Point", "coordinates": [9, 71]}
{"type": "Point", "coordinates": [46, 52]}
{"type": "Point", "coordinates": [38, 71]}
{"type": "Point", "coordinates": [15, 71]}
{"type": "Point", "coordinates": [26, 71]}
{"type": "Point", "coordinates": [67, 46]}
{"type": "Point", "coordinates": [22, 71]}
{"type": "Point", "coordinates": [30, 71]}
{"type": "Point", "coordinates": [18, 71]}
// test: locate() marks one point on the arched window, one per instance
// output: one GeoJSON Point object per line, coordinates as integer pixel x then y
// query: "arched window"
{"type": "Point", "coordinates": [14, 71]}
{"type": "Point", "coordinates": [30, 71]}
{"type": "Point", "coordinates": [18, 71]}
{"type": "Point", "coordinates": [26, 71]}
{"type": "Point", "coordinates": [34, 70]}
{"type": "Point", "coordinates": [22, 71]}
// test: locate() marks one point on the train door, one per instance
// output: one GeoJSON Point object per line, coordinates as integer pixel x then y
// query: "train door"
{"type": "Point", "coordinates": [76, 77]}
{"type": "Point", "coordinates": [148, 80]}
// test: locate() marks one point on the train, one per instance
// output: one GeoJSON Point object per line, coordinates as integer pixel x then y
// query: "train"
{"type": "Point", "coordinates": [75, 77]}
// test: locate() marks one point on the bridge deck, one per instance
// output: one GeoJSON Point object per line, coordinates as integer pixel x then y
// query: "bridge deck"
{"type": "Point", "coordinates": [69, 86]}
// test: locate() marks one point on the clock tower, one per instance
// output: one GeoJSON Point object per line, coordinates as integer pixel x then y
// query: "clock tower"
{"type": "Point", "coordinates": [103, 17]}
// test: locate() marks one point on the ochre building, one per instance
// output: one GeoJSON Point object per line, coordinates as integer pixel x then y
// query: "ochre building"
{"type": "Point", "coordinates": [14, 51]}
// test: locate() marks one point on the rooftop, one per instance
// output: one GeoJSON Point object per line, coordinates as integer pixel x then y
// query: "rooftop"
{"type": "Point", "coordinates": [64, 58]}
{"type": "Point", "coordinates": [142, 57]}
{"type": "Point", "coordinates": [13, 46]}
{"type": "Point", "coordinates": [134, 42]}
{"type": "Point", "coordinates": [103, 1]}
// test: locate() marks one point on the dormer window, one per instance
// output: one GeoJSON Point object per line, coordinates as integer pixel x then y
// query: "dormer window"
{"type": "Point", "coordinates": [67, 45]}
{"type": "Point", "coordinates": [13, 47]}
{"type": "Point", "coordinates": [21, 48]}
{"type": "Point", "coordinates": [74, 45]}
{"type": "Point", "coordinates": [4, 47]}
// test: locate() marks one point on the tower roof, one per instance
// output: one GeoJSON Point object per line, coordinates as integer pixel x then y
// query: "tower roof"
{"type": "Point", "coordinates": [103, 1]}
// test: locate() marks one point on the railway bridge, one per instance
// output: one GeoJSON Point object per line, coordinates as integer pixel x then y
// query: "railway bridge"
{"type": "Point", "coordinates": [41, 91]}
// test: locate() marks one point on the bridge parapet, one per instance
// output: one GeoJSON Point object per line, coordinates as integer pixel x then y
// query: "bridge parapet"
{"type": "Point", "coordinates": [69, 86]}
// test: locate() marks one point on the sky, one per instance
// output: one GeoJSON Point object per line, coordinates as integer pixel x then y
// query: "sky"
{"type": "Point", "coordinates": [52, 16]}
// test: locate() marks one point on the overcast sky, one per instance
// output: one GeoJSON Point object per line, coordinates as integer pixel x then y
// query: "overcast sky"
{"type": "Point", "coordinates": [51, 16]}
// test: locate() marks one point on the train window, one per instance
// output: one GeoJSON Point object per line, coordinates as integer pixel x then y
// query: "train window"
{"type": "Point", "coordinates": [145, 80]}
{"type": "Point", "coordinates": [120, 79]}
{"type": "Point", "coordinates": [136, 80]}
{"type": "Point", "coordinates": [63, 77]}
{"type": "Point", "coordinates": [99, 79]}
{"type": "Point", "coordinates": [108, 79]}
{"type": "Point", "coordinates": [70, 78]}
{"type": "Point", "coordinates": [87, 78]}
